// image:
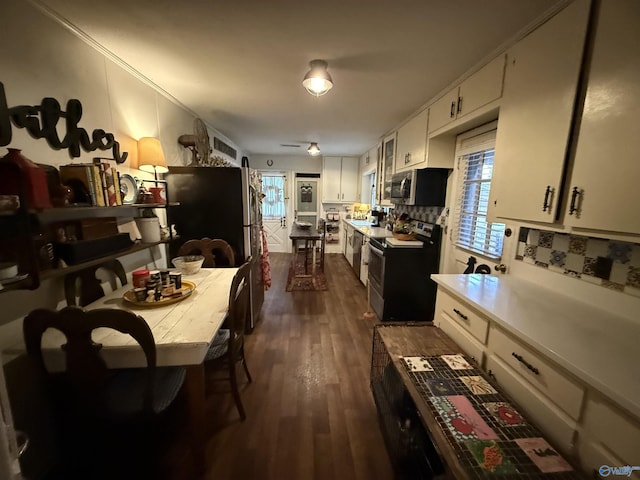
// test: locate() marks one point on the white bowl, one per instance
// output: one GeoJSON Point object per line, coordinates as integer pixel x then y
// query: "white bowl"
{"type": "Point", "coordinates": [8, 270]}
{"type": "Point", "coordinates": [188, 264]}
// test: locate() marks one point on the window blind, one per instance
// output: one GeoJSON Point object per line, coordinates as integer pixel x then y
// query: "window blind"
{"type": "Point", "coordinates": [475, 169]}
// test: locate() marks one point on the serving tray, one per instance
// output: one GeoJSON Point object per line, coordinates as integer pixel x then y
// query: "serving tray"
{"type": "Point", "coordinates": [187, 289]}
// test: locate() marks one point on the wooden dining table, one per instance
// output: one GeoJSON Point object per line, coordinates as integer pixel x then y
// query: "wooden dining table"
{"type": "Point", "coordinates": [310, 236]}
{"type": "Point", "coordinates": [183, 332]}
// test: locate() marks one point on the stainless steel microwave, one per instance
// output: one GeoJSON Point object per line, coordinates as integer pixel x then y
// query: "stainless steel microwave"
{"type": "Point", "coordinates": [423, 187]}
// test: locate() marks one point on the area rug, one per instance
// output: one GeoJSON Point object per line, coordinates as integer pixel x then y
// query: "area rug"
{"type": "Point", "coordinates": [317, 282]}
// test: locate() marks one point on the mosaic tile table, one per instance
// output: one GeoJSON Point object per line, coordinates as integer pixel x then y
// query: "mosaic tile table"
{"type": "Point", "coordinates": [476, 429]}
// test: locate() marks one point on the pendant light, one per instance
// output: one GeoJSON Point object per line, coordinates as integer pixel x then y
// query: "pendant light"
{"type": "Point", "coordinates": [313, 149]}
{"type": "Point", "coordinates": [317, 81]}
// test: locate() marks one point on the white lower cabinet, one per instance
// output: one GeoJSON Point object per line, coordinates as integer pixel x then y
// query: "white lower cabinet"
{"type": "Point", "coordinates": [548, 378]}
{"type": "Point", "coordinates": [554, 423]}
{"type": "Point", "coordinates": [610, 433]}
{"type": "Point", "coordinates": [595, 458]}
{"type": "Point", "coordinates": [581, 422]}
{"type": "Point", "coordinates": [348, 249]}
{"type": "Point", "coordinates": [468, 344]}
{"type": "Point", "coordinates": [364, 262]}
{"type": "Point", "coordinates": [463, 315]}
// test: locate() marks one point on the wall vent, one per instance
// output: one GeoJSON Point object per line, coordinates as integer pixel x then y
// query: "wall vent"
{"type": "Point", "coordinates": [224, 148]}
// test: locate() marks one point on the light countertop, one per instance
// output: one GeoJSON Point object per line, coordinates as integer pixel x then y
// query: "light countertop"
{"type": "Point", "coordinates": [366, 229]}
{"type": "Point", "coordinates": [598, 347]}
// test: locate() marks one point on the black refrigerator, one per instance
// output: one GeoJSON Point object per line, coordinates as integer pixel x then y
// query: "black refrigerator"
{"type": "Point", "coordinates": [218, 202]}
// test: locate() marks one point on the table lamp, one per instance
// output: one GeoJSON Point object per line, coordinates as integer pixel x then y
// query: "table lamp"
{"type": "Point", "coordinates": [151, 159]}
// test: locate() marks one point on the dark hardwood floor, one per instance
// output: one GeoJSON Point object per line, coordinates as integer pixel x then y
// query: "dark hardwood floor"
{"type": "Point", "coordinates": [310, 412]}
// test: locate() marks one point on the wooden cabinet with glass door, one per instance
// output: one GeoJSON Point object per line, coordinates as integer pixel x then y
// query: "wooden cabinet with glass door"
{"type": "Point", "coordinates": [387, 167]}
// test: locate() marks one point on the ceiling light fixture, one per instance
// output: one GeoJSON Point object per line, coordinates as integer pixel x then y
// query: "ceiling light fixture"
{"type": "Point", "coordinates": [313, 149]}
{"type": "Point", "coordinates": [317, 81]}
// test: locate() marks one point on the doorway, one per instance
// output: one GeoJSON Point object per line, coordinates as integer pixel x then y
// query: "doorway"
{"type": "Point", "coordinates": [306, 194]}
{"type": "Point", "coordinates": [274, 211]}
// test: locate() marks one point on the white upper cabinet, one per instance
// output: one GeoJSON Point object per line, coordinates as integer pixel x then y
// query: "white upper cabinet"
{"type": "Point", "coordinates": [331, 170]}
{"type": "Point", "coordinates": [606, 169]}
{"type": "Point", "coordinates": [412, 143]}
{"type": "Point", "coordinates": [478, 90]}
{"type": "Point", "coordinates": [340, 179]}
{"type": "Point", "coordinates": [536, 115]}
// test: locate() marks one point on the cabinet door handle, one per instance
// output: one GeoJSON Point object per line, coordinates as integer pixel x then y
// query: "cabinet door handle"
{"type": "Point", "coordinates": [546, 205]}
{"type": "Point", "coordinates": [459, 104]}
{"type": "Point", "coordinates": [452, 113]}
{"type": "Point", "coordinates": [525, 363]}
{"type": "Point", "coordinates": [574, 198]}
{"type": "Point", "coordinates": [460, 314]}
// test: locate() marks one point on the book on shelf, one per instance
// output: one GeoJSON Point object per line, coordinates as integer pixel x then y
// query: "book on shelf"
{"type": "Point", "coordinates": [116, 181]}
{"type": "Point", "coordinates": [110, 186]}
{"type": "Point", "coordinates": [79, 177]}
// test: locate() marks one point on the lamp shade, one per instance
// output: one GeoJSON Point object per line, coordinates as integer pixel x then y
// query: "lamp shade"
{"type": "Point", "coordinates": [317, 81]}
{"type": "Point", "coordinates": [313, 149]}
{"type": "Point", "coordinates": [150, 156]}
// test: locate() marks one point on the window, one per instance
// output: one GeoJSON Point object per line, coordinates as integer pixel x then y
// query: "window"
{"type": "Point", "coordinates": [273, 201]}
{"type": "Point", "coordinates": [475, 168]}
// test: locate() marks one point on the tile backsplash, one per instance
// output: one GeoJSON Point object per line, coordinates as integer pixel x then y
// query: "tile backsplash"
{"type": "Point", "coordinates": [422, 214]}
{"type": "Point", "coordinates": [609, 263]}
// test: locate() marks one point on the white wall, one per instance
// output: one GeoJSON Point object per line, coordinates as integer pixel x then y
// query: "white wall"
{"type": "Point", "coordinates": [40, 58]}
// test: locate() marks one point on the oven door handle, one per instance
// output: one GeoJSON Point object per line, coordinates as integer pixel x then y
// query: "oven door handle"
{"type": "Point", "coordinates": [376, 250]}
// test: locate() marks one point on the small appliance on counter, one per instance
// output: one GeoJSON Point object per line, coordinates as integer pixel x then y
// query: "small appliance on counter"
{"type": "Point", "coordinates": [376, 218]}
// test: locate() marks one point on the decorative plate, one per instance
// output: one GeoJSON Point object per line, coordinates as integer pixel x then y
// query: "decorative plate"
{"type": "Point", "coordinates": [187, 289]}
{"type": "Point", "coordinates": [129, 188]}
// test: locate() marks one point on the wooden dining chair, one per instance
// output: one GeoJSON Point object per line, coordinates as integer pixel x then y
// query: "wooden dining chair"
{"type": "Point", "coordinates": [227, 349]}
{"type": "Point", "coordinates": [104, 415]}
{"type": "Point", "coordinates": [84, 287]}
{"type": "Point", "coordinates": [216, 252]}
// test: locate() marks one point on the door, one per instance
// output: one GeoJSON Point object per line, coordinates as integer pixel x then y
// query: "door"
{"type": "Point", "coordinates": [274, 211]}
{"type": "Point", "coordinates": [306, 192]}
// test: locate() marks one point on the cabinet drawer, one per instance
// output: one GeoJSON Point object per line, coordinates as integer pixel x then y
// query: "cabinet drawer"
{"type": "Point", "coordinates": [466, 342]}
{"type": "Point", "coordinates": [613, 428]}
{"type": "Point", "coordinates": [593, 456]}
{"type": "Point", "coordinates": [565, 392]}
{"type": "Point", "coordinates": [463, 315]}
{"type": "Point", "coordinates": [554, 424]}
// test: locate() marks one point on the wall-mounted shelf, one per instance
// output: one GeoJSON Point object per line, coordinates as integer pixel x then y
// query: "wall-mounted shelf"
{"type": "Point", "coordinates": [19, 230]}
{"type": "Point", "coordinates": [57, 272]}
{"type": "Point", "coordinates": [75, 213]}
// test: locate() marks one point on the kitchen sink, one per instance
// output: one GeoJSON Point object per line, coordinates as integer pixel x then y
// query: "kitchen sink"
{"type": "Point", "coordinates": [360, 223]}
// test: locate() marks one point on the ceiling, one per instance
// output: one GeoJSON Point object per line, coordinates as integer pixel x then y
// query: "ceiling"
{"type": "Point", "coordinates": [239, 65]}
